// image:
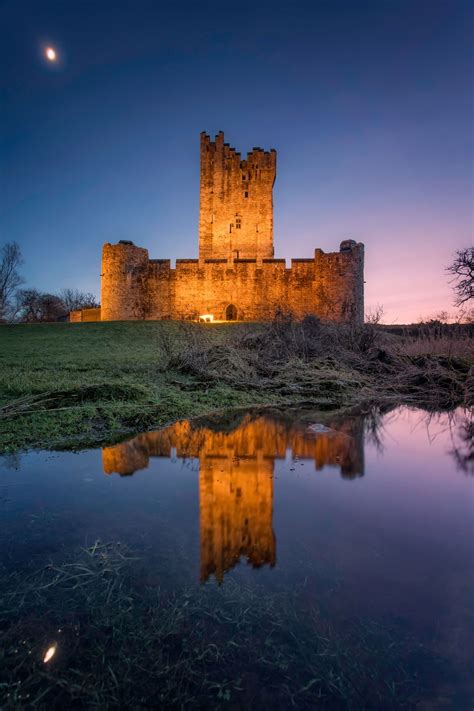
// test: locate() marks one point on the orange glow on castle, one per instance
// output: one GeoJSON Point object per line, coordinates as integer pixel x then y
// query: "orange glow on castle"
{"type": "Point", "coordinates": [236, 276]}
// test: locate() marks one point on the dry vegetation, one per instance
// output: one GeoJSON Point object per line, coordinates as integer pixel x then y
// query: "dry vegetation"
{"type": "Point", "coordinates": [67, 385]}
{"type": "Point", "coordinates": [310, 357]}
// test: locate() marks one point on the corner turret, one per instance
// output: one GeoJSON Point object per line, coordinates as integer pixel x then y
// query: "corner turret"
{"type": "Point", "coordinates": [123, 283]}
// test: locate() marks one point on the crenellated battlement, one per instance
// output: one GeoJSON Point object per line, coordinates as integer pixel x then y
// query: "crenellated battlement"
{"type": "Point", "coordinates": [236, 275]}
{"type": "Point", "coordinates": [134, 286]}
{"type": "Point", "coordinates": [217, 149]}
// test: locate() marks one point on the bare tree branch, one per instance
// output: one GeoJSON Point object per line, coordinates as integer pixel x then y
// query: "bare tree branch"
{"type": "Point", "coordinates": [75, 299]}
{"type": "Point", "coordinates": [462, 270]}
{"type": "Point", "coordinates": [10, 278]}
{"type": "Point", "coordinates": [37, 306]}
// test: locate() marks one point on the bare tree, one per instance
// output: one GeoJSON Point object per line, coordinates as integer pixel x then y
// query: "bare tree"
{"type": "Point", "coordinates": [52, 308]}
{"type": "Point", "coordinates": [29, 305]}
{"type": "Point", "coordinates": [74, 299]}
{"type": "Point", "coordinates": [35, 306]}
{"type": "Point", "coordinates": [442, 317]}
{"type": "Point", "coordinates": [467, 315]}
{"type": "Point", "coordinates": [374, 316]}
{"type": "Point", "coordinates": [462, 270]}
{"type": "Point", "coordinates": [10, 278]}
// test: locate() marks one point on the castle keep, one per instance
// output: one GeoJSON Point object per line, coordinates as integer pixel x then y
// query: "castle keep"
{"type": "Point", "coordinates": [236, 276]}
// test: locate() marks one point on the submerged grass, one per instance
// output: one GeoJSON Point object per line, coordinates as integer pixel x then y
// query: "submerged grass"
{"type": "Point", "coordinates": [121, 642]}
{"type": "Point", "coordinates": [72, 385]}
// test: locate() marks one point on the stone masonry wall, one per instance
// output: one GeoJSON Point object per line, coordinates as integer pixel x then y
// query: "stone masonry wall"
{"type": "Point", "coordinates": [236, 202]}
{"type": "Point", "coordinates": [85, 315]}
{"type": "Point", "coordinates": [328, 285]}
{"type": "Point", "coordinates": [124, 282]}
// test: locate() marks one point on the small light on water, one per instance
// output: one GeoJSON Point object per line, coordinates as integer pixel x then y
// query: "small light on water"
{"type": "Point", "coordinates": [50, 652]}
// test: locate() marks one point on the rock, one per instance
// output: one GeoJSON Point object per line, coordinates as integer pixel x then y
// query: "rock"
{"type": "Point", "coordinates": [318, 428]}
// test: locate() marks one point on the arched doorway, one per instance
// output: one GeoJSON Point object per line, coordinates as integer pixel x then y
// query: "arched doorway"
{"type": "Point", "coordinates": [231, 313]}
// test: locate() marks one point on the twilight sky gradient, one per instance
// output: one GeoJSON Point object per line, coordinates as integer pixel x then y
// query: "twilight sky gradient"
{"type": "Point", "coordinates": [369, 105]}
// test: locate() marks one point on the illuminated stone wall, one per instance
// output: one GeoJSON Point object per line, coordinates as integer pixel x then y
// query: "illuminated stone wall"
{"type": "Point", "coordinates": [236, 267]}
{"type": "Point", "coordinates": [134, 287]}
{"type": "Point", "coordinates": [236, 201]}
{"type": "Point", "coordinates": [85, 315]}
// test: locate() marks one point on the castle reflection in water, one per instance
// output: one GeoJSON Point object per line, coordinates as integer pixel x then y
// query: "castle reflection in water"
{"type": "Point", "coordinates": [236, 463]}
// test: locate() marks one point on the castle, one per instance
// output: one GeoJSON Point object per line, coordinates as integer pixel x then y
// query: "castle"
{"type": "Point", "coordinates": [236, 277]}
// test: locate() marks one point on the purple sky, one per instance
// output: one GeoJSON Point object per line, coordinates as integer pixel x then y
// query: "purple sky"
{"type": "Point", "coordinates": [369, 105]}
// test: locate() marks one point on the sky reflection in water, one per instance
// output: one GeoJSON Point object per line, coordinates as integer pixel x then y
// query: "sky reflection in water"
{"type": "Point", "coordinates": [366, 516]}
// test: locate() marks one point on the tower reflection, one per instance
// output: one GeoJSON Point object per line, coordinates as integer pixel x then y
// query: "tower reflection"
{"type": "Point", "coordinates": [236, 463]}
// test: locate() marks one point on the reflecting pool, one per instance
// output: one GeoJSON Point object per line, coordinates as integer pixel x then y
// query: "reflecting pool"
{"type": "Point", "coordinates": [297, 559]}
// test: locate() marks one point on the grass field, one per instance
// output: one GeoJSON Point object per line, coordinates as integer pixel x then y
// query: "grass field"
{"type": "Point", "coordinates": [74, 384]}
{"type": "Point", "coordinates": [71, 385]}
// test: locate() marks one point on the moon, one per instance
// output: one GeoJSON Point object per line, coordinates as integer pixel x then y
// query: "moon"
{"type": "Point", "coordinates": [50, 54]}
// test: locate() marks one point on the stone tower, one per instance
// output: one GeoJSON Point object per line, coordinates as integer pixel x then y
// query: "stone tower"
{"type": "Point", "coordinates": [236, 202]}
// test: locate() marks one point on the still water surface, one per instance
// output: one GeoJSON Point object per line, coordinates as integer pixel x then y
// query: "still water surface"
{"type": "Point", "coordinates": [258, 559]}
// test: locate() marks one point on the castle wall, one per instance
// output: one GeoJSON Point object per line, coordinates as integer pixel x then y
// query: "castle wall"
{"type": "Point", "coordinates": [328, 285]}
{"type": "Point", "coordinates": [236, 202]}
{"type": "Point", "coordinates": [85, 315]}
{"type": "Point", "coordinates": [340, 283]}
